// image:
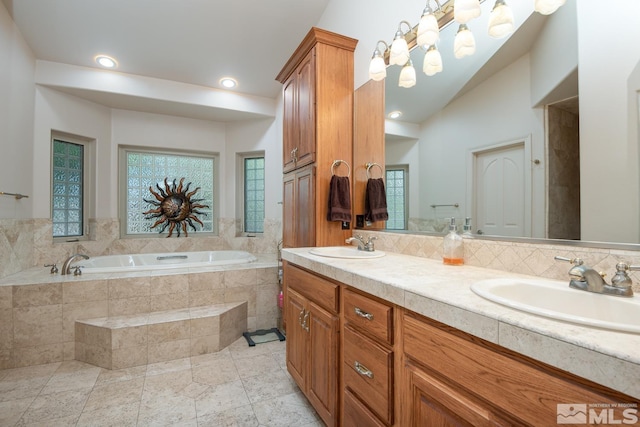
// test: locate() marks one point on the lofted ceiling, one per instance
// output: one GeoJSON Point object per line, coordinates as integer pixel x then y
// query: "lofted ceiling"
{"type": "Point", "coordinates": [191, 41]}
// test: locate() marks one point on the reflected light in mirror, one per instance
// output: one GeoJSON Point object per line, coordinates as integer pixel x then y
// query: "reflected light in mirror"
{"type": "Point", "coordinates": [465, 10]}
{"type": "Point", "coordinates": [428, 29]}
{"type": "Point", "coordinates": [432, 61]}
{"type": "Point", "coordinates": [464, 43]}
{"type": "Point", "coordinates": [407, 76]}
{"type": "Point", "coordinates": [547, 7]}
{"type": "Point", "coordinates": [501, 20]}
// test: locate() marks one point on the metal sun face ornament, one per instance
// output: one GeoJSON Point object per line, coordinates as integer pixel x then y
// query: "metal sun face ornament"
{"type": "Point", "coordinates": [174, 207]}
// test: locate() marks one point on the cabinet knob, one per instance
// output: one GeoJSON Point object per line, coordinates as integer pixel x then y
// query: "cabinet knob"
{"type": "Point", "coordinates": [362, 370]}
{"type": "Point", "coordinates": [363, 314]}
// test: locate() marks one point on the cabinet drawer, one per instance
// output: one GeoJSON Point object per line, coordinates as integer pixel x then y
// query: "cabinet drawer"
{"type": "Point", "coordinates": [356, 414]}
{"type": "Point", "coordinates": [373, 317]}
{"type": "Point", "coordinates": [368, 372]}
{"type": "Point", "coordinates": [321, 291]}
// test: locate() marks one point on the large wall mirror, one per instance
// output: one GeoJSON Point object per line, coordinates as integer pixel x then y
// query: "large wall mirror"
{"type": "Point", "coordinates": [498, 136]}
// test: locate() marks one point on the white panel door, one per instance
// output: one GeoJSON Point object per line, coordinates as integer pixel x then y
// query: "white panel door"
{"type": "Point", "coordinates": [500, 191]}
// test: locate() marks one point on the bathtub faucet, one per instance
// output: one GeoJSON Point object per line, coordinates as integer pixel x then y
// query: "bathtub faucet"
{"type": "Point", "coordinates": [66, 267]}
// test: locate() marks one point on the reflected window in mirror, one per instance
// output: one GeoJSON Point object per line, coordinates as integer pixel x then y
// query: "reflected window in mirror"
{"type": "Point", "coordinates": [397, 196]}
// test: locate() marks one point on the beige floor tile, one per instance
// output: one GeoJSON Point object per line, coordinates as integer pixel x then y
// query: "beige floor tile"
{"type": "Point", "coordinates": [221, 398]}
{"type": "Point", "coordinates": [115, 394]}
{"type": "Point", "coordinates": [111, 416]}
{"type": "Point", "coordinates": [83, 379]}
{"type": "Point", "coordinates": [169, 410]}
{"type": "Point", "coordinates": [108, 376]}
{"type": "Point", "coordinates": [269, 385]}
{"type": "Point", "coordinates": [242, 416]}
{"type": "Point", "coordinates": [11, 411]}
{"type": "Point", "coordinates": [21, 388]}
{"type": "Point", "coordinates": [67, 404]}
{"type": "Point", "coordinates": [290, 410]}
{"type": "Point", "coordinates": [259, 364]}
{"type": "Point", "coordinates": [168, 366]}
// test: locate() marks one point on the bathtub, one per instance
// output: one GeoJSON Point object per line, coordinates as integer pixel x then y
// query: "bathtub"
{"type": "Point", "coordinates": [162, 261]}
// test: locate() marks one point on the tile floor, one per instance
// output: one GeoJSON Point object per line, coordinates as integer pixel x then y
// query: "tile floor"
{"type": "Point", "coordinates": [238, 386]}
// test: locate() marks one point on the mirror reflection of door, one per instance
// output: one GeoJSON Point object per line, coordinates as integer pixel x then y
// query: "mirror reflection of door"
{"type": "Point", "coordinates": [502, 199]}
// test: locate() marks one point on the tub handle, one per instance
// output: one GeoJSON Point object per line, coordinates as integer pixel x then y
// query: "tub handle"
{"type": "Point", "coordinates": [162, 258]}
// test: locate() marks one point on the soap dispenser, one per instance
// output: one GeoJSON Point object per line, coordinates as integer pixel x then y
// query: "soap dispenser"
{"type": "Point", "coordinates": [466, 229]}
{"type": "Point", "coordinates": [453, 253]}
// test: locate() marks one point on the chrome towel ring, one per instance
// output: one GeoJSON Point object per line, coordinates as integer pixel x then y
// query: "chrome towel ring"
{"type": "Point", "coordinates": [370, 165]}
{"type": "Point", "coordinates": [337, 163]}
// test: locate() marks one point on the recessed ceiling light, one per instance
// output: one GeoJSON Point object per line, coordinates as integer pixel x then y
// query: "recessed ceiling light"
{"type": "Point", "coordinates": [106, 61]}
{"type": "Point", "coordinates": [228, 82]}
{"type": "Point", "coordinates": [395, 114]}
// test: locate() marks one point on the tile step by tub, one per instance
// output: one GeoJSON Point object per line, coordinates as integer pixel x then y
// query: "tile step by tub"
{"type": "Point", "coordinates": [139, 339]}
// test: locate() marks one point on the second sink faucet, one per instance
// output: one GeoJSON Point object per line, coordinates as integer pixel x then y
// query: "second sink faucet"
{"type": "Point", "coordinates": [362, 245]}
{"type": "Point", "coordinates": [587, 279]}
{"type": "Point", "coordinates": [66, 267]}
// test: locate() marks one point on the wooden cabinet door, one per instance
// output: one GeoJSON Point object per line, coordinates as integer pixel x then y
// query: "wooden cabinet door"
{"type": "Point", "coordinates": [289, 211]}
{"type": "Point", "coordinates": [323, 363]}
{"type": "Point", "coordinates": [305, 208]}
{"type": "Point", "coordinates": [290, 130]}
{"type": "Point", "coordinates": [297, 338]}
{"type": "Point", "coordinates": [433, 403]}
{"type": "Point", "coordinates": [306, 105]}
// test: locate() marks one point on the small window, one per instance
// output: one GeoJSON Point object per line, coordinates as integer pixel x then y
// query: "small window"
{"type": "Point", "coordinates": [397, 200]}
{"type": "Point", "coordinates": [67, 193]}
{"type": "Point", "coordinates": [253, 193]}
{"type": "Point", "coordinates": [142, 169]}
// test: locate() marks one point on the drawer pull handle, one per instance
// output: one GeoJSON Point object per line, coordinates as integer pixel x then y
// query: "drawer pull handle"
{"type": "Point", "coordinates": [300, 317]}
{"type": "Point", "coordinates": [362, 370]}
{"type": "Point", "coordinates": [364, 314]}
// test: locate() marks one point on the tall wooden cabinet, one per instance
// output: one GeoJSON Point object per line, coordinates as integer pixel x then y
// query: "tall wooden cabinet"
{"type": "Point", "coordinates": [317, 130]}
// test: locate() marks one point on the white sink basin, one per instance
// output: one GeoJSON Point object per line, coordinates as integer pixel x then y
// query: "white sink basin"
{"type": "Point", "coordinates": [345, 252]}
{"type": "Point", "coordinates": [560, 302]}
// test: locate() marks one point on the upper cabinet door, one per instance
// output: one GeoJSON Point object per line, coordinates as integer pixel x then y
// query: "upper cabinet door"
{"type": "Point", "coordinates": [299, 112]}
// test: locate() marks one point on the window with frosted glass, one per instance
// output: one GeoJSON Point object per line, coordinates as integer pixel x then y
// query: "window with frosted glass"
{"type": "Point", "coordinates": [149, 169]}
{"type": "Point", "coordinates": [254, 195]}
{"type": "Point", "coordinates": [67, 191]}
{"type": "Point", "coordinates": [396, 198]}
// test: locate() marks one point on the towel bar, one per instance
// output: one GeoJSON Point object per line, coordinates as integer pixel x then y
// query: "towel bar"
{"type": "Point", "coordinates": [338, 163]}
{"type": "Point", "coordinates": [18, 196]}
{"type": "Point", "coordinates": [370, 165]}
{"type": "Point", "coordinates": [455, 205]}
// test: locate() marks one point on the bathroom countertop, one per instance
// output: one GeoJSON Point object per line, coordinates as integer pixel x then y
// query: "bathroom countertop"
{"type": "Point", "coordinates": [443, 293]}
{"type": "Point", "coordinates": [40, 275]}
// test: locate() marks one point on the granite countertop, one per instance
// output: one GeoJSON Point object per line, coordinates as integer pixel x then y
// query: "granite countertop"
{"type": "Point", "coordinates": [443, 293]}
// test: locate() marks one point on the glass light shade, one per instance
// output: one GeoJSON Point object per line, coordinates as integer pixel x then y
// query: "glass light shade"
{"type": "Point", "coordinates": [399, 52]}
{"type": "Point", "coordinates": [377, 68]}
{"type": "Point", "coordinates": [465, 10]}
{"type": "Point", "coordinates": [500, 20]}
{"type": "Point", "coordinates": [464, 43]}
{"type": "Point", "coordinates": [428, 30]}
{"type": "Point", "coordinates": [547, 7]}
{"type": "Point", "coordinates": [407, 76]}
{"type": "Point", "coordinates": [432, 61]}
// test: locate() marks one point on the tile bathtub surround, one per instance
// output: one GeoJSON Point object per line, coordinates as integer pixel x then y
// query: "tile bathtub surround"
{"type": "Point", "coordinates": [38, 311]}
{"type": "Point", "coordinates": [241, 385]}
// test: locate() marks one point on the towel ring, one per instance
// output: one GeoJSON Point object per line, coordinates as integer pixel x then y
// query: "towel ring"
{"type": "Point", "coordinates": [337, 163]}
{"type": "Point", "coordinates": [370, 165]}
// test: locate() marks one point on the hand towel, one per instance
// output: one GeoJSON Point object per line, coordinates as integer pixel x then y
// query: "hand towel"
{"type": "Point", "coordinates": [339, 199]}
{"type": "Point", "coordinates": [375, 201]}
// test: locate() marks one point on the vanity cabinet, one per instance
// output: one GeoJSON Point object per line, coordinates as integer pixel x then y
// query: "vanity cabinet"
{"type": "Point", "coordinates": [312, 326]}
{"type": "Point", "coordinates": [317, 130]}
{"type": "Point", "coordinates": [451, 378]}
{"type": "Point", "coordinates": [368, 359]}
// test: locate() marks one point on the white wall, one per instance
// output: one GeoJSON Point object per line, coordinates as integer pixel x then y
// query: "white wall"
{"type": "Point", "coordinates": [497, 111]}
{"type": "Point", "coordinates": [16, 119]}
{"type": "Point", "coordinates": [608, 60]}
{"type": "Point", "coordinates": [406, 152]}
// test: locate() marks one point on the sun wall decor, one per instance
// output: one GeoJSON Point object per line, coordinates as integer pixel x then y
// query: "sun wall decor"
{"type": "Point", "coordinates": [174, 207]}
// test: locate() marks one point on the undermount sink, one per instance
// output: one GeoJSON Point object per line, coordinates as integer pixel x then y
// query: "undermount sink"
{"type": "Point", "coordinates": [345, 252]}
{"type": "Point", "coordinates": [560, 302]}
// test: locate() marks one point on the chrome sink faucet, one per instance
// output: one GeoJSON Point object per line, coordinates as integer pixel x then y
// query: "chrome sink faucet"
{"type": "Point", "coordinates": [587, 279]}
{"type": "Point", "coordinates": [66, 267]}
{"type": "Point", "coordinates": [362, 245]}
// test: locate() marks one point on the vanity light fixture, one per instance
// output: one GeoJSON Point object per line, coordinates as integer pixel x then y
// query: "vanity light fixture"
{"type": "Point", "coordinates": [407, 75]}
{"type": "Point", "coordinates": [106, 61]}
{"type": "Point", "coordinates": [399, 52]}
{"type": "Point", "coordinates": [547, 7]}
{"type": "Point", "coordinates": [464, 43]}
{"type": "Point", "coordinates": [501, 20]}
{"type": "Point", "coordinates": [426, 35]}
{"type": "Point", "coordinates": [228, 82]}
{"type": "Point", "coordinates": [428, 28]}
{"type": "Point", "coordinates": [465, 10]}
{"type": "Point", "coordinates": [432, 61]}
{"type": "Point", "coordinates": [377, 66]}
